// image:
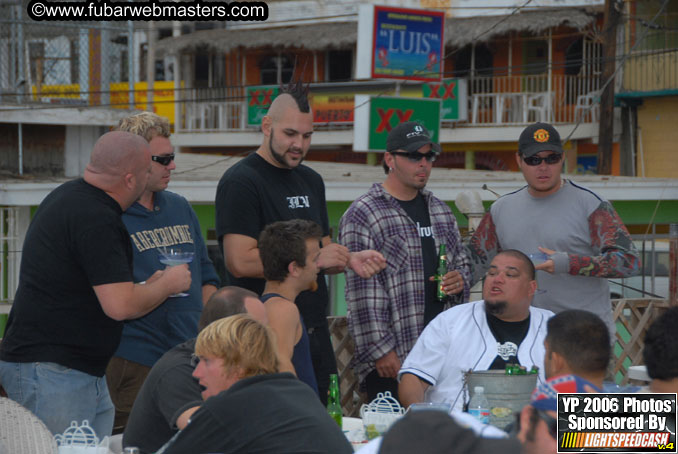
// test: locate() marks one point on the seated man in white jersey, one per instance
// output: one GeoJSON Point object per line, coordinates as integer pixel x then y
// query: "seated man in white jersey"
{"type": "Point", "coordinates": [501, 329]}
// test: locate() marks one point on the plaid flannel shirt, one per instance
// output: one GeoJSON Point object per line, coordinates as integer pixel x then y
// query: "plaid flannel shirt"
{"type": "Point", "coordinates": [386, 312]}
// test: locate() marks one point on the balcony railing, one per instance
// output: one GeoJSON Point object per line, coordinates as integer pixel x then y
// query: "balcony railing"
{"type": "Point", "coordinates": [651, 71]}
{"type": "Point", "coordinates": [526, 99]}
{"type": "Point", "coordinates": [506, 100]}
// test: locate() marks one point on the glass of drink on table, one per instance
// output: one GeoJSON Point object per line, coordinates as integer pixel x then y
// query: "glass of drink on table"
{"type": "Point", "coordinates": [173, 256]}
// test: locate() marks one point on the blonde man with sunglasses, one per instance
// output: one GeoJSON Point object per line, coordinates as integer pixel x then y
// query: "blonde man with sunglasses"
{"type": "Point", "coordinates": [407, 224]}
{"type": "Point", "coordinates": [581, 237]}
{"type": "Point", "coordinates": [157, 221]}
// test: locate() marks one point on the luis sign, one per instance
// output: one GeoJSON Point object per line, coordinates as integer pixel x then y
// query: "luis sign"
{"type": "Point", "coordinates": [403, 43]}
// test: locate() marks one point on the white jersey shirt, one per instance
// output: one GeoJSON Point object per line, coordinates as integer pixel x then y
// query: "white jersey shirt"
{"type": "Point", "coordinates": [459, 340]}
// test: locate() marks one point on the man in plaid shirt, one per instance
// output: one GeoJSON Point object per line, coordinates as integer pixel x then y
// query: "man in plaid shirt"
{"type": "Point", "coordinates": [407, 224]}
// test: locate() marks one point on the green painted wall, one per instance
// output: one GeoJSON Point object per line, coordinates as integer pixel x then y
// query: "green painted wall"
{"type": "Point", "coordinates": [206, 217]}
{"type": "Point", "coordinates": [640, 211]}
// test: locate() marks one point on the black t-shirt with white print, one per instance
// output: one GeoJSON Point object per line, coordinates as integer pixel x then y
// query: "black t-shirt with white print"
{"type": "Point", "coordinates": [509, 335]}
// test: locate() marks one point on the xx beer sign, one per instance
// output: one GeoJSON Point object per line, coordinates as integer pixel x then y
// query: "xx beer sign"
{"type": "Point", "coordinates": [376, 116]}
{"type": "Point", "coordinates": [452, 94]}
{"type": "Point", "coordinates": [385, 118]}
{"type": "Point", "coordinates": [259, 99]}
{"type": "Point", "coordinates": [434, 90]}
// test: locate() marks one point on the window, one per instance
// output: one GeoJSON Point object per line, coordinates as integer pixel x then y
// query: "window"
{"type": "Point", "coordinates": [159, 65]}
{"type": "Point", "coordinates": [339, 65]}
{"type": "Point", "coordinates": [663, 32]}
{"type": "Point", "coordinates": [75, 62]}
{"type": "Point", "coordinates": [124, 67]}
{"type": "Point", "coordinates": [276, 69]}
{"type": "Point", "coordinates": [535, 56]}
{"type": "Point", "coordinates": [36, 55]}
{"type": "Point", "coordinates": [10, 250]}
{"type": "Point", "coordinates": [483, 61]}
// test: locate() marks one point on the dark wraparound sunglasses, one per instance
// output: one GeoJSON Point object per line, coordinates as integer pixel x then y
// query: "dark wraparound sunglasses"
{"type": "Point", "coordinates": [415, 156]}
{"type": "Point", "coordinates": [163, 160]}
{"type": "Point", "coordinates": [553, 158]}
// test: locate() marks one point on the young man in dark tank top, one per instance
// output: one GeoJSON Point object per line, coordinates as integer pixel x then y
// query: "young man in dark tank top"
{"type": "Point", "coordinates": [289, 252]}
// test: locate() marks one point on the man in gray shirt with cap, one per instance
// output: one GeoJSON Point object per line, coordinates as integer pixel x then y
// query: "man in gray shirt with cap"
{"type": "Point", "coordinates": [580, 236]}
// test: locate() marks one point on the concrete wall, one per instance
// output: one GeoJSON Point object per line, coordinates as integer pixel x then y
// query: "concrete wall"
{"type": "Point", "coordinates": [79, 143]}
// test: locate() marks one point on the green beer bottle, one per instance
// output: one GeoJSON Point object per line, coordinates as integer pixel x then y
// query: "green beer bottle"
{"type": "Point", "coordinates": [440, 272]}
{"type": "Point", "coordinates": [334, 400]}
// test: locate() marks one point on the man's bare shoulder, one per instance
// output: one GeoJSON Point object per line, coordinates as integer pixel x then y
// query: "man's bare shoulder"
{"type": "Point", "coordinates": [280, 305]}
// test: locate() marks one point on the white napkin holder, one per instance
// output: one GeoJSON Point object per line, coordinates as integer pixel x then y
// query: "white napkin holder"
{"type": "Point", "coordinates": [81, 440]}
{"type": "Point", "coordinates": [382, 412]}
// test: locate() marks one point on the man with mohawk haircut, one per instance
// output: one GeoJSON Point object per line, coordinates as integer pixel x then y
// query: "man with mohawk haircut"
{"type": "Point", "coordinates": [272, 185]}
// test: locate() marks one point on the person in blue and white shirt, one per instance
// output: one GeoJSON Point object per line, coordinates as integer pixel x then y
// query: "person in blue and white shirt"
{"type": "Point", "coordinates": [502, 328]}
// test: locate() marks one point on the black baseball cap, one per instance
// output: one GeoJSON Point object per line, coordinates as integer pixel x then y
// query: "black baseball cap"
{"type": "Point", "coordinates": [409, 136]}
{"type": "Point", "coordinates": [539, 137]}
{"type": "Point", "coordinates": [435, 432]}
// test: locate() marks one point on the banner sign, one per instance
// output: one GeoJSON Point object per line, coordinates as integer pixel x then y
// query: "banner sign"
{"type": "Point", "coordinates": [407, 43]}
{"type": "Point", "coordinates": [453, 96]}
{"type": "Point", "coordinates": [329, 105]}
{"type": "Point", "coordinates": [332, 107]}
{"type": "Point", "coordinates": [626, 423]}
{"type": "Point", "coordinates": [376, 116]}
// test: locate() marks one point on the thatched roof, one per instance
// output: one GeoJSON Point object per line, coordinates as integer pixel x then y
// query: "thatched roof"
{"type": "Point", "coordinates": [462, 31]}
{"type": "Point", "coordinates": [326, 35]}
{"type": "Point", "coordinates": [342, 35]}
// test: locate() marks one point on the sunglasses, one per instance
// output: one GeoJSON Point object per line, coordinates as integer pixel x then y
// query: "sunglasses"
{"type": "Point", "coordinates": [553, 158]}
{"type": "Point", "coordinates": [415, 156]}
{"type": "Point", "coordinates": [551, 423]}
{"type": "Point", "coordinates": [163, 160]}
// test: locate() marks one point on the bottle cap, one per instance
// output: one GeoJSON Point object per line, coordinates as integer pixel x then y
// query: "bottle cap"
{"type": "Point", "coordinates": [479, 389]}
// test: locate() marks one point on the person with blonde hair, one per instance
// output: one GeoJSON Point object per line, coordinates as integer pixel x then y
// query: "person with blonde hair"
{"type": "Point", "coordinates": [157, 221]}
{"type": "Point", "coordinates": [250, 406]}
{"type": "Point", "coordinates": [145, 124]}
{"type": "Point", "coordinates": [239, 346]}
{"type": "Point", "coordinates": [170, 394]}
